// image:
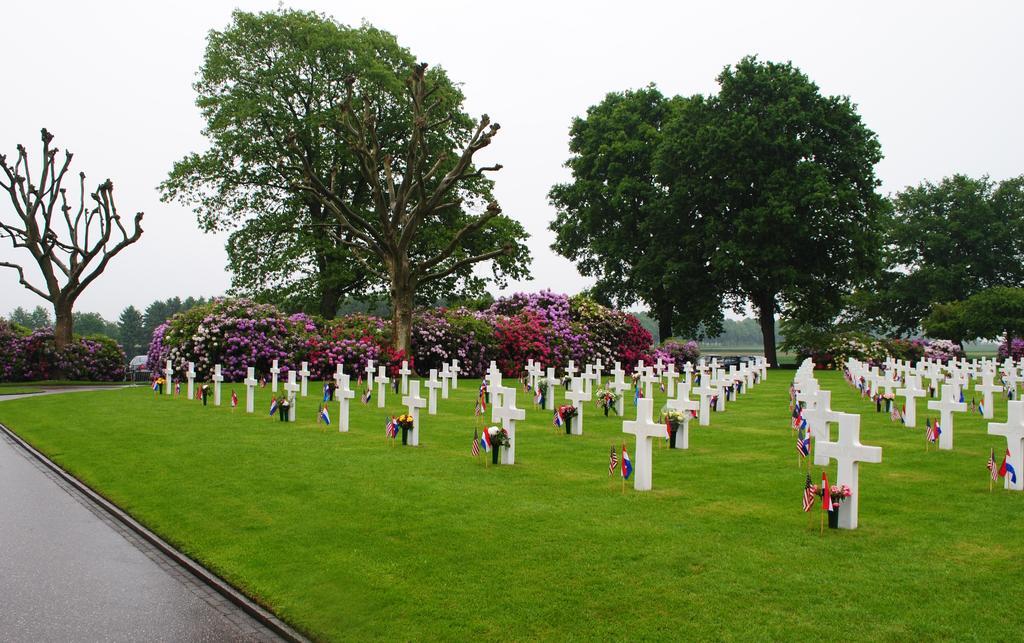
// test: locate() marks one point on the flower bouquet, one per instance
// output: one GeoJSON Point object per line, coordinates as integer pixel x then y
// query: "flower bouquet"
{"type": "Point", "coordinates": [839, 493]}
{"type": "Point", "coordinates": [607, 398]}
{"type": "Point", "coordinates": [673, 420]}
{"type": "Point", "coordinates": [499, 438]}
{"type": "Point", "coordinates": [567, 412]}
{"type": "Point", "coordinates": [405, 423]}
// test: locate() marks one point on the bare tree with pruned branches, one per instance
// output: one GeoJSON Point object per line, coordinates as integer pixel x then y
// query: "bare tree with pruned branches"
{"type": "Point", "coordinates": [407, 191]}
{"type": "Point", "coordinates": [71, 243]}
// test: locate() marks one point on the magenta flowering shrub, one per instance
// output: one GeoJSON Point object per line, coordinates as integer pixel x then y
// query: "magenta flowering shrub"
{"type": "Point", "coordinates": [1011, 348]}
{"type": "Point", "coordinates": [547, 327]}
{"type": "Point", "coordinates": [675, 352]}
{"type": "Point", "coordinates": [33, 356]}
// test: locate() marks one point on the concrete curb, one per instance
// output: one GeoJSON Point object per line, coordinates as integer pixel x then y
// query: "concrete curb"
{"type": "Point", "coordinates": [216, 583]}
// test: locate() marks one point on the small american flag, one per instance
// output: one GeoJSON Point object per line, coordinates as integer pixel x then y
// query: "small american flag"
{"type": "Point", "coordinates": [391, 427]}
{"type": "Point", "coordinates": [992, 464]}
{"type": "Point", "coordinates": [476, 444]}
{"type": "Point", "coordinates": [613, 461]}
{"type": "Point", "coordinates": [808, 494]}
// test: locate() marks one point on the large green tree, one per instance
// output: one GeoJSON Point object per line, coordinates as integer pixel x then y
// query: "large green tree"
{"type": "Point", "coordinates": [296, 184]}
{"type": "Point", "coordinates": [946, 242]}
{"type": "Point", "coordinates": [783, 180]}
{"type": "Point", "coordinates": [993, 313]}
{"type": "Point", "coordinates": [620, 225]}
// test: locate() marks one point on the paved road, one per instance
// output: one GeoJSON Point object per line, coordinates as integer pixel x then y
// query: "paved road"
{"type": "Point", "coordinates": [69, 572]}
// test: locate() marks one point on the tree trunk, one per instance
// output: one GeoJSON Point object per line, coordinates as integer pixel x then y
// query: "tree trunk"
{"type": "Point", "coordinates": [664, 309]}
{"type": "Point", "coordinates": [766, 318]}
{"type": "Point", "coordinates": [64, 323]}
{"type": "Point", "coordinates": [402, 290]}
{"type": "Point", "coordinates": [330, 296]}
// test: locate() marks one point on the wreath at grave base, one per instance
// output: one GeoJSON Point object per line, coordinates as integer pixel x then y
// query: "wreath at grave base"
{"type": "Point", "coordinates": [404, 422]}
{"type": "Point", "coordinates": [838, 492]}
{"type": "Point", "coordinates": [567, 412]}
{"type": "Point", "coordinates": [606, 398]}
{"type": "Point", "coordinates": [499, 437]}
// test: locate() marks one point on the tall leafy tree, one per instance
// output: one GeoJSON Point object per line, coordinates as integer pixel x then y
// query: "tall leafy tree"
{"type": "Point", "coordinates": [946, 242]}
{"type": "Point", "coordinates": [38, 318]}
{"type": "Point", "coordinates": [783, 179]}
{"type": "Point", "coordinates": [94, 324]}
{"type": "Point", "coordinates": [275, 90]}
{"type": "Point", "coordinates": [620, 225]}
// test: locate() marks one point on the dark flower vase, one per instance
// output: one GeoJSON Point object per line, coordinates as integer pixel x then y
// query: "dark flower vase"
{"type": "Point", "coordinates": [833, 519]}
{"type": "Point", "coordinates": [405, 436]}
{"type": "Point", "coordinates": [606, 407]}
{"type": "Point", "coordinates": [674, 431]}
{"type": "Point", "coordinates": [568, 425]}
{"type": "Point", "coordinates": [494, 454]}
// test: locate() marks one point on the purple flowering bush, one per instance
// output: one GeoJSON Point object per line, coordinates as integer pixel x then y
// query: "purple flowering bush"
{"type": "Point", "coordinates": [31, 356]}
{"type": "Point", "coordinates": [548, 327]}
{"type": "Point", "coordinates": [1012, 348]}
{"type": "Point", "coordinates": [942, 350]}
{"type": "Point", "coordinates": [676, 352]}
{"type": "Point", "coordinates": [235, 333]}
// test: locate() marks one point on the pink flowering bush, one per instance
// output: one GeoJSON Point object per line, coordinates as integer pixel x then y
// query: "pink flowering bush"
{"type": "Point", "coordinates": [31, 356]}
{"type": "Point", "coordinates": [547, 327]}
{"type": "Point", "coordinates": [675, 352]}
{"type": "Point", "coordinates": [942, 350]}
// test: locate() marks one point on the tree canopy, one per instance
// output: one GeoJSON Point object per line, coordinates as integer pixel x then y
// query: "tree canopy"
{"type": "Point", "coordinates": [783, 179]}
{"type": "Point", "coordinates": [617, 222]}
{"type": "Point", "coordinates": [274, 90]}
{"type": "Point", "coordinates": [944, 243]}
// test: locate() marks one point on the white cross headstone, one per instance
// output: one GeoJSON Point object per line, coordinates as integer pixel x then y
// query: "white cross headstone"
{"type": "Point", "coordinates": [369, 374]}
{"type": "Point", "coordinates": [508, 414]}
{"type": "Point", "coordinates": [659, 367]}
{"type": "Point", "coordinates": [217, 379]}
{"type": "Point", "coordinates": [291, 390]}
{"type": "Point", "coordinates": [704, 393]}
{"type": "Point", "coordinates": [250, 389]}
{"type": "Point", "coordinates": [432, 384]}
{"type": "Point", "coordinates": [649, 378]}
{"type": "Point", "coordinates": [1013, 430]}
{"type": "Point", "coordinates": [645, 430]}
{"type": "Point", "coordinates": [688, 374]}
{"type": "Point", "coordinates": [454, 374]}
{"type": "Point", "coordinates": [343, 394]}
{"type": "Point", "coordinates": [446, 376]}
{"type": "Point", "coordinates": [337, 376]}
{"type": "Point", "coordinates": [413, 402]}
{"type": "Point", "coordinates": [304, 374]}
{"type": "Point", "coordinates": [670, 376]}
{"type": "Point", "coordinates": [168, 378]}
{"type": "Point", "coordinates": [987, 388]}
{"type": "Point", "coordinates": [275, 370]}
{"type": "Point", "coordinates": [577, 396]}
{"type": "Point", "coordinates": [570, 370]}
{"type": "Point", "coordinates": [599, 371]}
{"type": "Point", "coordinates": [911, 391]}
{"type": "Point", "coordinates": [549, 384]}
{"type": "Point", "coordinates": [405, 373]}
{"type": "Point", "coordinates": [848, 453]}
{"type": "Point", "coordinates": [949, 401]}
{"type": "Point", "coordinates": [819, 414]}
{"type": "Point", "coordinates": [382, 381]}
{"type": "Point", "coordinates": [190, 375]}
{"type": "Point", "coordinates": [619, 385]}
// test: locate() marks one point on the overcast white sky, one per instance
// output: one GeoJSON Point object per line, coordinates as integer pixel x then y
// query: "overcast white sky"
{"type": "Point", "coordinates": [940, 82]}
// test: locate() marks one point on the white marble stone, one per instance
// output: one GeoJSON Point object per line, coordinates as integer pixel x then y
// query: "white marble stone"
{"type": "Point", "coordinates": [168, 378]}
{"type": "Point", "coordinates": [413, 402]}
{"type": "Point", "coordinates": [190, 376]}
{"type": "Point", "coordinates": [250, 389]}
{"type": "Point", "coordinates": [304, 374]}
{"type": "Point", "coordinates": [848, 452]}
{"type": "Point", "coordinates": [1013, 431]}
{"type": "Point", "coordinates": [405, 372]}
{"type": "Point", "coordinates": [275, 370]}
{"type": "Point", "coordinates": [948, 403]}
{"type": "Point", "coordinates": [343, 395]}
{"type": "Point", "coordinates": [433, 385]}
{"type": "Point", "coordinates": [645, 430]}
{"type": "Point", "coordinates": [291, 389]}
{"type": "Point", "coordinates": [454, 371]}
{"type": "Point", "coordinates": [217, 379]}
{"type": "Point", "coordinates": [382, 381]}
{"type": "Point", "coordinates": [508, 415]}
{"type": "Point", "coordinates": [577, 396]}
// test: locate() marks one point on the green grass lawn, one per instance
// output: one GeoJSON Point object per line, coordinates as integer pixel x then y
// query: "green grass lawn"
{"type": "Point", "coordinates": [18, 389]}
{"type": "Point", "coordinates": [347, 538]}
